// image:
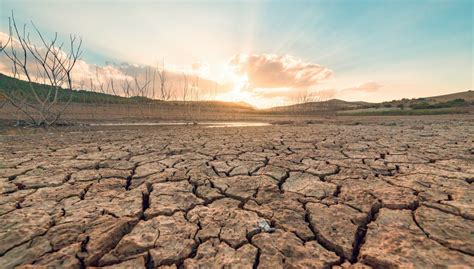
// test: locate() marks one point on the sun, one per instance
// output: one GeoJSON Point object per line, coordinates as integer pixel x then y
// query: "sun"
{"type": "Point", "coordinates": [240, 83]}
{"type": "Point", "coordinates": [238, 93]}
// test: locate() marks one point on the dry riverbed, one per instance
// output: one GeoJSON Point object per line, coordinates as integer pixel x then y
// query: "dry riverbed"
{"type": "Point", "coordinates": [282, 196]}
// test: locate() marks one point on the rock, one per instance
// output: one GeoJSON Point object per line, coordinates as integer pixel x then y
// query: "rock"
{"type": "Point", "coordinates": [283, 210]}
{"type": "Point", "coordinates": [265, 227]}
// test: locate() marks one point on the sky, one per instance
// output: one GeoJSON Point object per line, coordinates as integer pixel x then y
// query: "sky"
{"type": "Point", "coordinates": [270, 53]}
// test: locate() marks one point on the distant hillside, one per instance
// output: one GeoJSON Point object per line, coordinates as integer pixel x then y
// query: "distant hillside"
{"type": "Point", "coordinates": [456, 103]}
{"type": "Point", "coordinates": [460, 99]}
{"type": "Point", "coordinates": [10, 85]}
{"type": "Point", "coordinates": [333, 104]}
{"type": "Point", "coordinates": [20, 88]}
{"type": "Point", "coordinates": [443, 104]}
{"type": "Point", "coordinates": [467, 96]}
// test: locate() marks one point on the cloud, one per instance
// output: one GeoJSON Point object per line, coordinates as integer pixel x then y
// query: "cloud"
{"type": "Point", "coordinates": [89, 76]}
{"type": "Point", "coordinates": [200, 88]}
{"type": "Point", "coordinates": [199, 66]}
{"type": "Point", "coordinates": [368, 87]}
{"type": "Point", "coordinates": [4, 37]}
{"type": "Point", "coordinates": [278, 71]}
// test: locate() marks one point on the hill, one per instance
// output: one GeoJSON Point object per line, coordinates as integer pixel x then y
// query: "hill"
{"type": "Point", "coordinates": [462, 102]}
{"type": "Point", "coordinates": [314, 107]}
{"type": "Point", "coordinates": [467, 96]}
{"type": "Point", "coordinates": [455, 103]}
{"type": "Point", "coordinates": [19, 88]}
{"type": "Point", "coordinates": [460, 99]}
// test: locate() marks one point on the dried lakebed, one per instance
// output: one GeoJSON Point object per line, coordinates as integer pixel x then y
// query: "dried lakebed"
{"type": "Point", "coordinates": [315, 196]}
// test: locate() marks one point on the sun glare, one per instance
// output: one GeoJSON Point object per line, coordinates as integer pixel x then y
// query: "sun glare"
{"type": "Point", "coordinates": [240, 84]}
{"type": "Point", "coordinates": [238, 93]}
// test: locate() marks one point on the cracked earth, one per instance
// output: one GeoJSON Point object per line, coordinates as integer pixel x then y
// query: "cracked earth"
{"type": "Point", "coordinates": [309, 196]}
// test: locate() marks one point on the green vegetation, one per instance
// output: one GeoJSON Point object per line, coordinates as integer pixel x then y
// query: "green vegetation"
{"type": "Point", "coordinates": [452, 103]}
{"type": "Point", "coordinates": [431, 103]}
{"type": "Point", "coordinates": [403, 112]}
{"type": "Point", "coordinates": [21, 90]}
{"type": "Point", "coordinates": [456, 103]}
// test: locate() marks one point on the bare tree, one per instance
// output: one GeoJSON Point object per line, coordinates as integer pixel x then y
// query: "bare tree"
{"type": "Point", "coordinates": [48, 64]}
{"type": "Point", "coordinates": [324, 98]}
{"type": "Point", "coordinates": [195, 89]}
{"type": "Point", "coordinates": [185, 95]}
{"type": "Point", "coordinates": [303, 96]}
{"type": "Point", "coordinates": [319, 101]}
{"type": "Point", "coordinates": [165, 87]}
{"type": "Point", "coordinates": [185, 90]}
{"type": "Point", "coordinates": [139, 91]}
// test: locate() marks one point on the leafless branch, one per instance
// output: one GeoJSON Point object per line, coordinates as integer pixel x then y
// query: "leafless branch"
{"type": "Point", "coordinates": [47, 63]}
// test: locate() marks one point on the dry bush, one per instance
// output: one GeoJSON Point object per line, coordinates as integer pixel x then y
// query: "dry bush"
{"type": "Point", "coordinates": [46, 63]}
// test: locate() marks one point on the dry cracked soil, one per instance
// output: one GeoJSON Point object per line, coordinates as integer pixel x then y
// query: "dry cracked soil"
{"type": "Point", "coordinates": [306, 196]}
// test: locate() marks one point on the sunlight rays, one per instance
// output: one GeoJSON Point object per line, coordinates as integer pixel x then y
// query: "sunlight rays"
{"type": "Point", "coordinates": [404, 47]}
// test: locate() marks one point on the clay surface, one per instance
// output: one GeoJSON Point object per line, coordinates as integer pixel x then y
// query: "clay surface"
{"type": "Point", "coordinates": [283, 196]}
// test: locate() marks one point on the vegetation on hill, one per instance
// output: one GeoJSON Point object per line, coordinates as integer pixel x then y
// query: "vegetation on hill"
{"type": "Point", "coordinates": [12, 86]}
{"type": "Point", "coordinates": [452, 103]}
{"type": "Point", "coordinates": [456, 103]}
{"type": "Point", "coordinates": [460, 99]}
{"type": "Point", "coordinates": [419, 106]}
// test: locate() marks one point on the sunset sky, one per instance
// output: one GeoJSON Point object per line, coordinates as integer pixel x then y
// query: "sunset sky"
{"type": "Point", "coordinates": [265, 53]}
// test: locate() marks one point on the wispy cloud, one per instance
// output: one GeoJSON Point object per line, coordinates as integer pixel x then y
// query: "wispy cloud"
{"type": "Point", "coordinates": [368, 87]}
{"type": "Point", "coordinates": [260, 79]}
{"type": "Point", "coordinates": [90, 76]}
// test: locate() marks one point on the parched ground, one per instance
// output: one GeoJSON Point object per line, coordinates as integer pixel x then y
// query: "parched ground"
{"type": "Point", "coordinates": [309, 196]}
